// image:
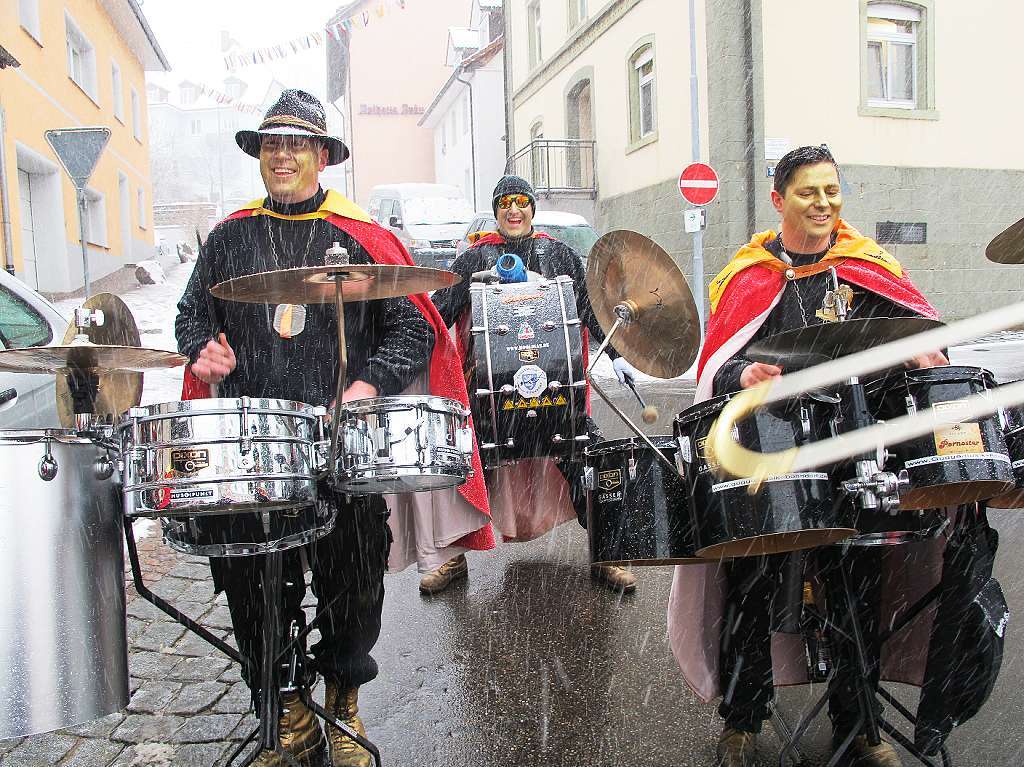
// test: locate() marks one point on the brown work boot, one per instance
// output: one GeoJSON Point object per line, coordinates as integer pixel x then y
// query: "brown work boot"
{"type": "Point", "coordinates": [299, 736]}
{"type": "Point", "coordinates": [439, 579]}
{"type": "Point", "coordinates": [861, 754]}
{"type": "Point", "coordinates": [736, 748]}
{"type": "Point", "coordinates": [614, 577]}
{"type": "Point", "coordinates": [343, 704]}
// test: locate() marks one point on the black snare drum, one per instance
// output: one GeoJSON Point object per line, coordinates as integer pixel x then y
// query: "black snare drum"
{"type": "Point", "coordinates": [528, 393]}
{"type": "Point", "coordinates": [790, 512]}
{"type": "Point", "coordinates": [957, 464]}
{"type": "Point", "coordinates": [637, 509]}
{"type": "Point", "coordinates": [1013, 432]}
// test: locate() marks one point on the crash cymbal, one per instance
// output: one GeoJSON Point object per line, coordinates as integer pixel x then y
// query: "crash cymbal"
{"type": "Point", "coordinates": [803, 347]}
{"type": "Point", "coordinates": [1007, 247]}
{"type": "Point", "coordinates": [86, 356]}
{"type": "Point", "coordinates": [315, 284]}
{"type": "Point", "coordinates": [118, 391]}
{"type": "Point", "coordinates": [625, 267]}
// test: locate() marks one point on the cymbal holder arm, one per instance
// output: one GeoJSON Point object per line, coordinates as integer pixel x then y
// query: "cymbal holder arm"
{"type": "Point", "coordinates": [339, 304]}
{"type": "Point", "coordinates": [621, 320]}
{"type": "Point", "coordinates": [873, 488]}
{"type": "Point", "coordinates": [84, 319]}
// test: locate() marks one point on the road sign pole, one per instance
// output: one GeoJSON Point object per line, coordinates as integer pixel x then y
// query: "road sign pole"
{"type": "Point", "coordinates": [698, 275]}
{"type": "Point", "coordinates": [81, 234]}
{"type": "Point", "coordinates": [698, 236]}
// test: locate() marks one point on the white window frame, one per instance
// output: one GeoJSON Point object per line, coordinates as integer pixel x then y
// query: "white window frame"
{"type": "Point", "coordinates": [895, 12]}
{"type": "Point", "coordinates": [195, 126]}
{"type": "Point", "coordinates": [533, 32]}
{"type": "Point", "coordinates": [28, 17]}
{"type": "Point", "coordinates": [96, 218]}
{"type": "Point", "coordinates": [189, 94]}
{"type": "Point", "coordinates": [576, 13]}
{"type": "Point", "coordinates": [643, 80]}
{"type": "Point", "coordinates": [136, 115]}
{"type": "Point", "coordinates": [140, 205]}
{"type": "Point", "coordinates": [81, 57]}
{"type": "Point", "coordinates": [117, 91]}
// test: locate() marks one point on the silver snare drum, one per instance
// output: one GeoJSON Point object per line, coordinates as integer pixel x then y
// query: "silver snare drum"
{"type": "Point", "coordinates": [404, 444]}
{"type": "Point", "coordinates": [210, 456]}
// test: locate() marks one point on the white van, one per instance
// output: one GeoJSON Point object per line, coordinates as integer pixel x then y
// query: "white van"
{"type": "Point", "coordinates": [429, 219]}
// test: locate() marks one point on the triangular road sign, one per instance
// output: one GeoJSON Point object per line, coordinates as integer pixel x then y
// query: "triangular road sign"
{"type": "Point", "coordinates": [78, 150]}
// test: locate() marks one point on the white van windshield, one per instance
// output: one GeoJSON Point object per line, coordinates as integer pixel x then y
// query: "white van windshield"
{"type": "Point", "coordinates": [436, 210]}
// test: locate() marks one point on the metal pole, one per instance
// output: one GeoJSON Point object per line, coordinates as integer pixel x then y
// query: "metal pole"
{"type": "Point", "coordinates": [81, 233]}
{"type": "Point", "coordinates": [698, 236]}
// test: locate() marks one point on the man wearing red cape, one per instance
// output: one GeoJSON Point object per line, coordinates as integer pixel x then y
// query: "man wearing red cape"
{"type": "Point", "coordinates": [290, 353]}
{"type": "Point", "coordinates": [719, 615]}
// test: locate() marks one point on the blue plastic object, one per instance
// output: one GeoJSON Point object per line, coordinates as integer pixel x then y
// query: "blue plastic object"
{"type": "Point", "coordinates": [510, 268]}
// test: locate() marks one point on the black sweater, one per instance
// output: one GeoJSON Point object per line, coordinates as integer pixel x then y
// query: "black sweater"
{"type": "Point", "coordinates": [389, 342]}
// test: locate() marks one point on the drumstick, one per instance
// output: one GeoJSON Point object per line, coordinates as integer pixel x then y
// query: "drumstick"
{"type": "Point", "coordinates": [211, 310]}
{"type": "Point", "coordinates": [649, 414]}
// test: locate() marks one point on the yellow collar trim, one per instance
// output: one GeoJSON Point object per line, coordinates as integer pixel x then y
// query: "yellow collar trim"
{"type": "Point", "coordinates": [849, 244]}
{"type": "Point", "coordinates": [334, 203]}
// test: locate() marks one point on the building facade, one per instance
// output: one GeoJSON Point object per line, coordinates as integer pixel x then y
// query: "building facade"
{"type": "Point", "coordinates": [467, 114]}
{"type": "Point", "coordinates": [82, 63]}
{"type": "Point", "coordinates": [382, 75]}
{"type": "Point", "coordinates": [910, 106]}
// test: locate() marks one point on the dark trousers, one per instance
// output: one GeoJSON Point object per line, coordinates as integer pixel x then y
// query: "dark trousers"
{"type": "Point", "coordinates": [745, 661]}
{"type": "Point", "coordinates": [348, 566]}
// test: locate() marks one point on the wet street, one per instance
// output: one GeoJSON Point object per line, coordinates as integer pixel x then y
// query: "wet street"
{"type": "Point", "coordinates": [526, 663]}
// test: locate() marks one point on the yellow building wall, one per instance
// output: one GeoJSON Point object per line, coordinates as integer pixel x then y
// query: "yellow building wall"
{"type": "Point", "coordinates": [40, 95]}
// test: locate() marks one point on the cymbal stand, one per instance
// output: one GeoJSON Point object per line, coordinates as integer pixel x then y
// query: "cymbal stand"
{"type": "Point", "coordinates": [849, 644]}
{"type": "Point", "coordinates": [625, 313]}
{"type": "Point", "coordinates": [338, 256]}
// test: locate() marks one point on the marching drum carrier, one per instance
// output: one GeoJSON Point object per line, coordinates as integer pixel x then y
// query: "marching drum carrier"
{"type": "Point", "coordinates": [527, 389]}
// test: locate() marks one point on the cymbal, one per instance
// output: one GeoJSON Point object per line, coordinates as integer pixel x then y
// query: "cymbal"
{"type": "Point", "coordinates": [118, 390]}
{"type": "Point", "coordinates": [626, 267]}
{"type": "Point", "coordinates": [1007, 247]}
{"type": "Point", "coordinates": [87, 356]}
{"type": "Point", "coordinates": [803, 347]}
{"type": "Point", "coordinates": [315, 284]}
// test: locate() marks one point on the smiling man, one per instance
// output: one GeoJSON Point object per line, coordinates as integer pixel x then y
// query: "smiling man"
{"type": "Point", "coordinates": [514, 203]}
{"type": "Point", "coordinates": [291, 352]}
{"type": "Point", "coordinates": [720, 615]}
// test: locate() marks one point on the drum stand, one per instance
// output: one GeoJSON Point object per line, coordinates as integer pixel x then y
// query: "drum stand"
{"type": "Point", "coordinates": [849, 645]}
{"type": "Point", "coordinates": [273, 658]}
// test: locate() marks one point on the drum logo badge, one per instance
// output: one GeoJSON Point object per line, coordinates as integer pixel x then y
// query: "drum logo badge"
{"type": "Point", "coordinates": [189, 461]}
{"type": "Point", "coordinates": [525, 332]}
{"type": "Point", "coordinates": [530, 381]}
{"type": "Point", "coordinates": [609, 480]}
{"type": "Point", "coordinates": [529, 355]}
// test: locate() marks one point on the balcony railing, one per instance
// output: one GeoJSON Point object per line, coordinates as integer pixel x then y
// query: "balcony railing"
{"type": "Point", "coordinates": [557, 166]}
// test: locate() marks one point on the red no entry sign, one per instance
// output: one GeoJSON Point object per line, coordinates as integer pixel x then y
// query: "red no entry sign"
{"type": "Point", "coordinates": [698, 183]}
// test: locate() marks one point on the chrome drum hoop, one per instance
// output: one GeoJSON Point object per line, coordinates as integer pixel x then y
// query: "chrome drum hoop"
{"type": "Point", "coordinates": [212, 456]}
{"type": "Point", "coordinates": [62, 606]}
{"type": "Point", "coordinates": [403, 444]}
{"type": "Point", "coordinates": [198, 536]}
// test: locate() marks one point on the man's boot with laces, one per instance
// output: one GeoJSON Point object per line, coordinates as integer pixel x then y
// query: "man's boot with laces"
{"type": "Point", "coordinates": [861, 754]}
{"type": "Point", "coordinates": [736, 748]}
{"type": "Point", "coordinates": [342, 703]}
{"type": "Point", "coordinates": [438, 580]}
{"type": "Point", "coordinates": [299, 735]}
{"type": "Point", "coordinates": [614, 577]}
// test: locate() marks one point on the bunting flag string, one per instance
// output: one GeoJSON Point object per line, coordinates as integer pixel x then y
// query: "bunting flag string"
{"type": "Point", "coordinates": [222, 98]}
{"type": "Point", "coordinates": [315, 39]}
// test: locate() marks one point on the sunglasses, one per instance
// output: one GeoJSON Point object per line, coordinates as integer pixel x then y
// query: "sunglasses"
{"type": "Point", "coordinates": [274, 143]}
{"type": "Point", "coordinates": [506, 201]}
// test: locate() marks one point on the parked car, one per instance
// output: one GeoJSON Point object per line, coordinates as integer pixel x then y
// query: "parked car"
{"type": "Point", "coordinates": [27, 400]}
{"type": "Point", "coordinates": [429, 219]}
{"type": "Point", "coordinates": [570, 228]}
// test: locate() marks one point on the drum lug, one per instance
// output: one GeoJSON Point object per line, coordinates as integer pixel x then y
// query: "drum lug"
{"type": "Point", "coordinates": [558, 439]}
{"type": "Point", "coordinates": [507, 389]}
{"type": "Point", "coordinates": [587, 479]}
{"type": "Point", "coordinates": [554, 386]}
{"type": "Point", "coordinates": [531, 413]}
{"type": "Point", "coordinates": [47, 466]}
{"type": "Point", "coordinates": [548, 325]}
{"type": "Point", "coordinates": [685, 454]}
{"type": "Point", "coordinates": [104, 468]}
{"type": "Point", "coordinates": [631, 466]}
{"type": "Point", "coordinates": [805, 422]}
{"type": "Point", "coordinates": [502, 330]}
{"type": "Point", "coordinates": [911, 404]}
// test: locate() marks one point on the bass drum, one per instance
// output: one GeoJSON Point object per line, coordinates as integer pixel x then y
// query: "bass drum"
{"type": "Point", "coordinates": [637, 508]}
{"type": "Point", "coordinates": [63, 639]}
{"type": "Point", "coordinates": [790, 512]}
{"type": "Point", "coordinates": [526, 384]}
{"type": "Point", "coordinates": [957, 464]}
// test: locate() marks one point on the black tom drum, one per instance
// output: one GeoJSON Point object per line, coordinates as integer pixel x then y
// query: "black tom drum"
{"type": "Point", "coordinates": [789, 513]}
{"type": "Point", "coordinates": [637, 510]}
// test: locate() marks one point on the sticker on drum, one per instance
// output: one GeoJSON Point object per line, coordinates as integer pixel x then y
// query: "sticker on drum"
{"type": "Point", "coordinates": [799, 476]}
{"type": "Point", "coordinates": [530, 380]}
{"type": "Point", "coordinates": [189, 461]}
